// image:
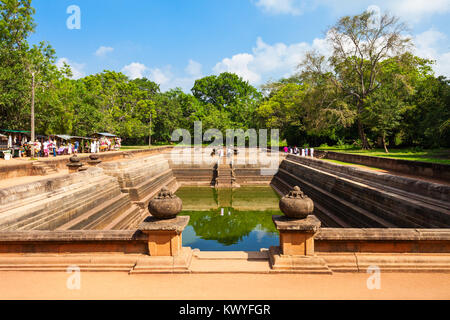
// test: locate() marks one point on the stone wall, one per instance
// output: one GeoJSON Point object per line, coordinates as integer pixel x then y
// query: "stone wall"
{"type": "Point", "coordinates": [26, 168]}
{"type": "Point", "coordinates": [79, 201]}
{"type": "Point", "coordinates": [201, 168]}
{"type": "Point", "coordinates": [417, 168]}
{"type": "Point", "coordinates": [342, 250]}
{"type": "Point", "coordinates": [142, 178]}
{"type": "Point", "coordinates": [357, 199]}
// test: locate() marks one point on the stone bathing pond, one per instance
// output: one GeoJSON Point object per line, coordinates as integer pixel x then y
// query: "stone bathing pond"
{"type": "Point", "coordinates": [97, 217]}
{"type": "Point", "coordinates": [230, 219]}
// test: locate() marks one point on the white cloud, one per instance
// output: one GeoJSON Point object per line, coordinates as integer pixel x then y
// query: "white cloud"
{"type": "Point", "coordinates": [280, 6]}
{"type": "Point", "coordinates": [416, 10]}
{"type": "Point", "coordinates": [164, 75]}
{"type": "Point", "coordinates": [77, 68]}
{"type": "Point", "coordinates": [161, 77]}
{"type": "Point", "coordinates": [239, 64]}
{"type": "Point", "coordinates": [194, 69]}
{"type": "Point", "coordinates": [134, 70]}
{"type": "Point", "coordinates": [411, 11]}
{"type": "Point", "coordinates": [433, 45]}
{"type": "Point", "coordinates": [277, 60]}
{"type": "Point", "coordinates": [103, 51]}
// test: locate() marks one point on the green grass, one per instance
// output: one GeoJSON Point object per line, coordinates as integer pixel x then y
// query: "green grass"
{"type": "Point", "coordinates": [431, 155]}
{"type": "Point", "coordinates": [139, 147]}
{"type": "Point", "coordinates": [350, 164]}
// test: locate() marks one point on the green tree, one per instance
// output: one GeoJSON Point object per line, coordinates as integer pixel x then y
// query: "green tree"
{"type": "Point", "coordinates": [229, 94]}
{"type": "Point", "coordinates": [426, 121]}
{"type": "Point", "coordinates": [360, 44]}
{"type": "Point", "coordinates": [16, 24]}
{"type": "Point", "coordinates": [385, 107]}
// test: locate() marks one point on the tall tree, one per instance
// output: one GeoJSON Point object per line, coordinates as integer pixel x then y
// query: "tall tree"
{"type": "Point", "coordinates": [16, 24]}
{"type": "Point", "coordinates": [360, 43]}
{"type": "Point", "coordinates": [229, 94]}
{"type": "Point", "coordinates": [385, 107]}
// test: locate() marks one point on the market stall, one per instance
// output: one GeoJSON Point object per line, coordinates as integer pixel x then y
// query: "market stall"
{"type": "Point", "coordinates": [107, 141]}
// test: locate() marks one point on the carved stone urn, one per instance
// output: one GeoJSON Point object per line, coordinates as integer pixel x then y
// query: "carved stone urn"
{"type": "Point", "coordinates": [166, 205]}
{"type": "Point", "coordinates": [296, 205]}
{"type": "Point", "coordinates": [75, 164]}
{"type": "Point", "coordinates": [93, 160]}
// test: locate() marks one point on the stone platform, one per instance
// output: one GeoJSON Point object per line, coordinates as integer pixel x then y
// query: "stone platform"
{"type": "Point", "coordinates": [79, 201]}
{"type": "Point", "coordinates": [351, 197]}
{"type": "Point", "coordinates": [142, 178]}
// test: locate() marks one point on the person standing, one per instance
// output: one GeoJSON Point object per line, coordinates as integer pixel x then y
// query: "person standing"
{"type": "Point", "coordinates": [93, 146]}
{"type": "Point", "coordinates": [46, 148]}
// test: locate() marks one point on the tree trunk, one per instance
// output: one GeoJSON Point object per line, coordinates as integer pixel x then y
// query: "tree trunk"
{"type": "Point", "coordinates": [384, 143]}
{"type": "Point", "coordinates": [32, 114]}
{"type": "Point", "coordinates": [362, 136]}
{"type": "Point", "coordinates": [150, 133]}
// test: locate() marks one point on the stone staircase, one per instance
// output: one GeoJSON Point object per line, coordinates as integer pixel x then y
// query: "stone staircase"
{"type": "Point", "coordinates": [357, 198]}
{"type": "Point", "coordinates": [142, 178]}
{"type": "Point", "coordinates": [88, 200]}
{"type": "Point", "coordinates": [43, 168]}
{"type": "Point", "coordinates": [230, 262]}
{"type": "Point", "coordinates": [225, 176]}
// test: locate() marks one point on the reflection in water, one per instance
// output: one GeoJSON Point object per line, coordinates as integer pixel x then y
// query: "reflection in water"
{"type": "Point", "coordinates": [245, 224]}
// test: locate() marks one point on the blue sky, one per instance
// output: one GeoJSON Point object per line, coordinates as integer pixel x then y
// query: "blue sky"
{"type": "Point", "coordinates": [174, 42]}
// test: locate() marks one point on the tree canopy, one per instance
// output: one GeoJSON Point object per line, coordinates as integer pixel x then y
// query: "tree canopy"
{"type": "Point", "coordinates": [370, 91]}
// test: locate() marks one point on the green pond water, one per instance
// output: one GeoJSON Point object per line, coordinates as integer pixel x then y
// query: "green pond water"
{"type": "Point", "coordinates": [230, 220]}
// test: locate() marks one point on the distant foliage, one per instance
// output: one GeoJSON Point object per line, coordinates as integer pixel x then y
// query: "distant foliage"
{"type": "Point", "coordinates": [371, 92]}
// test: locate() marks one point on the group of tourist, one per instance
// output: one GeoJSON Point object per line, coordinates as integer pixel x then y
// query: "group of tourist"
{"type": "Point", "coordinates": [306, 152]}
{"type": "Point", "coordinates": [17, 144]}
{"type": "Point", "coordinates": [220, 152]}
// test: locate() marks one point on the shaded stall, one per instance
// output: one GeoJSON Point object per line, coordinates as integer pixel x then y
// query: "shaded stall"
{"type": "Point", "coordinates": [82, 143]}
{"type": "Point", "coordinates": [4, 145]}
{"type": "Point", "coordinates": [108, 141]}
{"type": "Point", "coordinates": [16, 140]}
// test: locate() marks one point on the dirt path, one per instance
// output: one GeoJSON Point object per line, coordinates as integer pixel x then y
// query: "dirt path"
{"type": "Point", "coordinates": [53, 285]}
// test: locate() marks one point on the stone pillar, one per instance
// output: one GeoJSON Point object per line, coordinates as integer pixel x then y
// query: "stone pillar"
{"type": "Point", "coordinates": [164, 233]}
{"type": "Point", "coordinates": [297, 230]}
{"type": "Point", "coordinates": [164, 236]}
{"type": "Point", "coordinates": [297, 236]}
{"type": "Point", "coordinates": [296, 250]}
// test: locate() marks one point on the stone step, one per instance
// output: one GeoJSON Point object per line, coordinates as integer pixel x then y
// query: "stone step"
{"type": "Point", "coordinates": [102, 219]}
{"type": "Point", "coordinates": [400, 210]}
{"type": "Point", "coordinates": [127, 219]}
{"type": "Point", "coordinates": [328, 219]}
{"type": "Point", "coordinates": [355, 216]}
{"type": "Point", "coordinates": [69, 203]}
{"type": "Point", "coordinates": [21, 195]}
{"type": "Point", "coordinates": [229, 266]}
{"type": "Point", "coordinates": [171, 184]}
{"type": "Point", "coordinates": [66, 212]}
{"type": "Point", "coordinates": [44, 168]}
{"type": "Point", "coordinates": [91, 217]}
{"type": "Point", "coordinates": [231, 255]}
{"type": "Point", "coordinates": [140, 191]}
{"type": "Point", "coordinates": [423, 189]}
